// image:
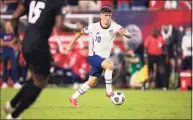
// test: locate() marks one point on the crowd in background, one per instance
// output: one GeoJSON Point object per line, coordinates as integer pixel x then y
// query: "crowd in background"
{"type": "Point", "coordinates": [167, 51]}
{"type": "Point", "coordinates": [120, 5]}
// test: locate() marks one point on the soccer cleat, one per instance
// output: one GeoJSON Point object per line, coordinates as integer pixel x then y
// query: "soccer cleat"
{"type": "Point", "coordinates": [74, 102]}
{"type": "Point", "coordinates": [8, 108]}
{"type": "Point", "coordinates": [17, 86]}
{"type": "Point", "coordinates": [109, 95]}
{"type": "Point", "coordinates": [9, 117]}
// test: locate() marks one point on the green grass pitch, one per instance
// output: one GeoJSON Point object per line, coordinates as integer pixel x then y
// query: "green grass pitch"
{"type": "Point", "coordinates": [152, 104]}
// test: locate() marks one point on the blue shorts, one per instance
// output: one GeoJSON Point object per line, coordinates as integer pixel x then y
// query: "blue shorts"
{"type": "Point", "coordinates": [95, 61]}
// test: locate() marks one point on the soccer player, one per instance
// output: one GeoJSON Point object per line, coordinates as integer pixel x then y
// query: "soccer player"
{"type": "Point", "coordinates": [103, 34]}
{"type": "Point", "coordinates": [42, 15]}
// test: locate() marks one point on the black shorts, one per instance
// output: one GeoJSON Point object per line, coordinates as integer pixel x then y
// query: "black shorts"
{"type": "Point", "coordinates": [153, 59]}
{"type": "Point", "coordinates": [39, 62]}
{"type": "Point", "coordinates": [187, 63]}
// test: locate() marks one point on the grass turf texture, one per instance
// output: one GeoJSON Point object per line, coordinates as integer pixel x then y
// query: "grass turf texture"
{"type": "Point", "coordinates": [155, 104]}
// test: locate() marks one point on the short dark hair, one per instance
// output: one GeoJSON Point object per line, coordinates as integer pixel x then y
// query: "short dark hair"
{"type": "Point", "coordinates": [105, 9]}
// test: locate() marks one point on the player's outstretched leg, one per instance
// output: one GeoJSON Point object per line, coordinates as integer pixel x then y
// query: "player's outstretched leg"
{"type": "Point", "coordinates": [83, 89]}
{"type": "Point", "coordinates": [108, 65]}
{"type": "Point", "coordinates": [9, 107]}
{"type": "Point", "coordinates": [28, 94]}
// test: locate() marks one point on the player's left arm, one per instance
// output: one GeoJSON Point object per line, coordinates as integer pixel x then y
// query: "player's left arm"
{"type": "Point", "coordinates": [124, 32]}
{"type": "Point", "coordinates": [85, 30]}
{"type": "Point", "coordinates": [76, 37]}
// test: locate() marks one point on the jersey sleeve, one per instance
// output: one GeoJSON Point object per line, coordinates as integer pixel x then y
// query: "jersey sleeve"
{"type": "Point", "coordinates": [88, 29]}
{"type": "Point", "coordinates": [117, 27]}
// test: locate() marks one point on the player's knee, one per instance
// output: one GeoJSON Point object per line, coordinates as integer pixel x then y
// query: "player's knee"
{"type": "Point", "coordinates": [132, 84]}
{"type": "Point", "coordinates": [91, 83]}
{"type": "Point", "coordinates": [40, 82]}
{"type": "Point", "coordinates": [110, 66]}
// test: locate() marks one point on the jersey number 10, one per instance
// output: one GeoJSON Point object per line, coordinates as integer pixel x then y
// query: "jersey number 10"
{"type": "Point", "coordinates": [98, 39]}
{"type": "Point", "coordinates": [35, 11]}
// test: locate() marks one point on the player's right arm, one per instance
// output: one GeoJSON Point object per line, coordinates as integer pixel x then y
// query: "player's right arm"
{"type": "Point", "coordinates": [76, 37]}
{"type": "Point", "coordinates": [85, 30]}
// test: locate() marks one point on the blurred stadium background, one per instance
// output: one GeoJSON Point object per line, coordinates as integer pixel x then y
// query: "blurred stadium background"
{"type": "Point", "coordinates": [139, 17]}
{"type": "Point", "coordinates": [171, 19]}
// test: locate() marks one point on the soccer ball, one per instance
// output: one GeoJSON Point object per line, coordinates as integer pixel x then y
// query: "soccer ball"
{"type": "Point", "coordinates": [117, 98]}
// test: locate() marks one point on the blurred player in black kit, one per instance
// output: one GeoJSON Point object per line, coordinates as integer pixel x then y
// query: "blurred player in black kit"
{"type": "Point", "coordinates": [42, 15]}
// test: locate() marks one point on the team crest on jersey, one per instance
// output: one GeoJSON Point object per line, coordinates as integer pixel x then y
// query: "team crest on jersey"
{"type": "Point", "coordinates": [111, 31]}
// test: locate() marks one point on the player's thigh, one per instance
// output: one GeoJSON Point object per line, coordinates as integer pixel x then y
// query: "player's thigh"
{"type": "Point", "coordinates": [95, 61]}
{"type": "Point", "coordinates": [96, 71]}
{"type": "Point", "coordinates": [39, 64]}
{"type": "Point", "coordinates": [107, 64]}
{"type": "Point", "coordinates": [39, 80]}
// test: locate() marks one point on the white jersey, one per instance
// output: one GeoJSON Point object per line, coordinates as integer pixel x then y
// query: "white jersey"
{"type": "Point", "coordinates": [102, 38]}
{"type": "Point", "coordinates": [186, 45]}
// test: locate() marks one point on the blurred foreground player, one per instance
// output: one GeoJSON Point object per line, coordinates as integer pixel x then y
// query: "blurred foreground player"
{"type": "Point", "coordinates": [41, 20]}
{"type": "Point", "coordinates": [103, 34]}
